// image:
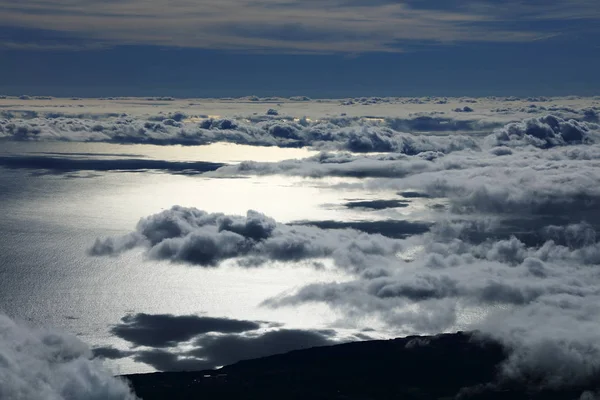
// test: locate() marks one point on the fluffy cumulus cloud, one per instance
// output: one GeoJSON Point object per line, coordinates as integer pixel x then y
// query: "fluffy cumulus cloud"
{"type": "Point", "coordinates": [424, 133]}
{"type": "Point", "coordinates": [196, 237]}
{"type": "Point", "coordinates": [547, 131]}
{"type": "Point", "coordinates": [49, 365]}
{"type": "Point", "coordinates": [346, 133]}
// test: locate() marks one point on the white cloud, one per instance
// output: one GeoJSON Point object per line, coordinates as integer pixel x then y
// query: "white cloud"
{"type": "Point", "coordinates": [41, 364]}
{"type": "Point", "coordinates": [196, 237]}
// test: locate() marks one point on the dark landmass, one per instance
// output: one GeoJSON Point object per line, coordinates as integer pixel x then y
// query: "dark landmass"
{"type": "Point", "coordinates": [448, 366]}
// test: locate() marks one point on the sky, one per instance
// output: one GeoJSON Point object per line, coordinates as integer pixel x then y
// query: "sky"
{"type": "Point", "coordinates": [325, 48]}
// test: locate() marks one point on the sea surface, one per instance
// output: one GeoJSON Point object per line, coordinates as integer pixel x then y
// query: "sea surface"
{"type": "Point", "coordinates": [50, 220]}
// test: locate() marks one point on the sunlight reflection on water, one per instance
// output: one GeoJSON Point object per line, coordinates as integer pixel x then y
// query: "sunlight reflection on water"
{"type": "Point", "coordinates": [46, 276]}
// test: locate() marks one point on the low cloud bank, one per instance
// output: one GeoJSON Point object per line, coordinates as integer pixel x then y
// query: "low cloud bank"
{"type": "Point", "coordinates": [44, 364]}
{"type": "Point", "coordinates": [352, 134]}
{"type": "Point", "coordinates": [409, 134]}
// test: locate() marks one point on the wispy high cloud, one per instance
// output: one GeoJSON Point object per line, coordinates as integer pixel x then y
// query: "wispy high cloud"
{"type": "Point", "coordinates": [308, 26]}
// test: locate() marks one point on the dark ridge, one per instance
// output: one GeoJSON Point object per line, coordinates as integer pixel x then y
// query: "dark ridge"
{"type": "Point", "coordinates": [377, 204]}
{"type": "Point", "coordinates": [448, 366]}
{"type": "Point", "coordinates": [390, 228]}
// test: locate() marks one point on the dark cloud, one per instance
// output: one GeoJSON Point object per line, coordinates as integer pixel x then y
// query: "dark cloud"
{"type": "Point", "coordinates": [214, 351]}
{"type": "Point", "coordinates": [413, 195]}
{"type": "Point", "coordinates": [377, 204]}
{"type": "Point", "coordinates": [110, 353]}
{"type": "Point", "coordinates": [74, 154]}
{"type": "Point", "coordinates": [165, 330]}
{"type": "Point", "coordinates": [70, 164]}
{"type": "Point", "coordinates": [464, 109]}
{"type": "Point", "coordinates": [227, 349]}
{"type": "Point", "coordinates": [390, 228]}
{"type": "Point", "coordinates": [41, 364]}
{"type": "Point", "coordinates": [214, 341]}
{"type": "Point", "coordinates": [426, 123]}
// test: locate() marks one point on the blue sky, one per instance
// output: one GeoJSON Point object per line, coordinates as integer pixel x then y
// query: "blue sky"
{"type": "Point", "coordinates": [319, 48]}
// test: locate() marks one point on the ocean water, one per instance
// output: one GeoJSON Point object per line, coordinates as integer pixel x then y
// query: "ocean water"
{"type": "Point", "coordinates": [50, 220]}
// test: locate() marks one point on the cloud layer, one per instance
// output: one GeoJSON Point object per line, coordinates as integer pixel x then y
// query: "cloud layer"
{"type": "Point", "coordinates": [511, 249]}
{"type": "Point", "coordinates": [340, 133]}
{"type": "Point", "coordinates": [504, 238]}
{"type": "Point", "coordinates": [426, 133]}
{"type": "Point", "coordinates": [330, 26]}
